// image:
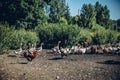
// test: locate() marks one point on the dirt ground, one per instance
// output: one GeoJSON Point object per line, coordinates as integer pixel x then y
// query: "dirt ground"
{"type": "Point", "coordinates": [47, 66]}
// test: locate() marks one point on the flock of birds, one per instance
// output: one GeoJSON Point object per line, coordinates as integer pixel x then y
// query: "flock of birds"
{"type": "Point", "coordinates": [86, 48]}
{"type": "Point", "coordinates": [29, 53]}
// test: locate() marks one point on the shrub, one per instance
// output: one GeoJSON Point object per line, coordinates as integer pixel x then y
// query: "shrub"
{"type": "Point", "coordinates": [118, 37]}
{"type": "Point", "coordinates": [5, 34]}
{"type": "Point", "coordinates": [100, 37]}
{"type": "Point", "coordinates": [63, 20]}
{"type": "Point", "coordinates": [11, 38]}
{"type": "Point", "coordinates": [22, 36]}
{"type": "Point", "coordinates": [52, 33]}
{"type": "Point", "coordinates": [111, 36]}
{"type": "Point", "coordinates": [97, 27]}
{"type": "Point", "coordinates": [85, 36]}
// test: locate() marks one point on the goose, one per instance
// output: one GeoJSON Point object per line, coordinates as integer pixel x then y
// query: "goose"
{"type": "Point", "coordinates": [18, 51]}
{"type": "Point", "coordinates": [56, 49]}
{"type": "Point", "coordinates": [40, 48]}
{"type": "Point", "coordinates": [31, 48]}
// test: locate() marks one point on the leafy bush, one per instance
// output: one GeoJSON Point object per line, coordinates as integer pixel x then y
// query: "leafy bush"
{"type": "Point", "coordinates": [11, 38]}
{"type": "Point", "coordinates": [111, 36]}
{"type": "Point", "coordinates": [103, 35]}
{"type": "Point", "coordinates": [63, 20]}
{"type": "Point", "coordinates": [22, 36]}
{"type": "Point", "coordinates": [52, 33]}
{"type": "Point", "coordinates": [118, 37]}
{"type": "Point", "coordinates": [97, 27]}
{"type": "Point", "coordinates": [85, 36]}
{"type": "Point", "coordinates": [100, 37]}
{"type": "Point", "coordinates": [5, 34]}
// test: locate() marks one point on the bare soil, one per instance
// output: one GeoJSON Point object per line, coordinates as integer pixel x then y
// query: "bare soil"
{"type": "Point", "coordinates": [47, 66]}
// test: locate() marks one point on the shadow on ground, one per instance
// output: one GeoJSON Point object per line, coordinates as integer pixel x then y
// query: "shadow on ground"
{"type": "Point", "coordinates": [110, 62]}
{"type": "Point", "coordinates": [11, 55]}
{"type": "Point", "coordinates": [55, 58]}
{"type": "Point", "coordinates": [18, 63]}
{"type": "Point", "coordinates": [22, 62]}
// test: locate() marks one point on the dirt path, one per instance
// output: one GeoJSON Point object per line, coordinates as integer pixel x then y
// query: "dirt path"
{"type": "Point", "coordinates": [47, 66]}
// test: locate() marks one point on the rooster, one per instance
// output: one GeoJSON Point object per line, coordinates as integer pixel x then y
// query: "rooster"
{"type": "Point", "coordinates": [30, 56]}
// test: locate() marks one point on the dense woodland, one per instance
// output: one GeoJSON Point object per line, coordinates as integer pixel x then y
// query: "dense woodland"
{"type": "Point", "coordinates": [50, 21]}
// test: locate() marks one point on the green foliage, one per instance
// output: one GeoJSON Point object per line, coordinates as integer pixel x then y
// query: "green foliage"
{"type": "Point", "coordinates": [58, 9]}
{"type": "Point", "coordinates": [103, 36]}
{"type": "Point", "coordinates": [97, 27]}
{"type": "Point", "coordinates": [23, 13]}
{"type": "Point", "coordinates": [35, 14]}
{"type": "Point", "coordinates": [118, 37]}
{"type": "Point", "coordinates": [111, 36]}
{"type": "Point", "coordinates": [52, 33]}
{"type": "Point", "coordinates": [85, 36]}
{"type": "Point", "coordinates": [5, 35]}
{"type": "Point", "coordinates": [22, 36]}
{"type": "Point", "coordinates": [30, 15]}
{"type": "Point", "coordinates": [63, 20]}
{"type": "Point", "coordinates": [11, 38]}
{"type": "Point", "coordinates": [76, 20]}
{"type": "Point", "coordinates": [103, 15]}
{"type": "Point", "coordinates": [118, 25]}
{"type": "Point", "coordinates": [100, 37]}
{"type": "Point", "coordinates": [67, 15]}
{"type": "Point", "coordinates": [88, 16]}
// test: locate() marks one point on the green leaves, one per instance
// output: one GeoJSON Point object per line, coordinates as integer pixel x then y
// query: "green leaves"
{"type": "Point", "coordinates": [103, 36]}
{"type": "Point", "coordinates": [111, 36]}
{"type": "Point", "coordinates": [85, 36]}
{"type": "Point", "coordinates": [100, 37]}
{"type": "Point", "coordinates": [23, 13]}
{"type": "Point", "coordinates": [53, 33]}
{"type": "Point", "coordinates": [88, 16]}
{"type": "Point", "coordinates": [22, 36]}
{"type": "Point", "coordinates": [5, 37]}
{"type": "Point", "coordinates": [103, 15]}
{"type": "Point", "coordinates": [11, 38]}
{"type": "Point", "coordinates": [58, 10]}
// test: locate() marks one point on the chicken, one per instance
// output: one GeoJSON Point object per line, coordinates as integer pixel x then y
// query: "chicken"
{"type": "Point", "coordinates": [30, 56]}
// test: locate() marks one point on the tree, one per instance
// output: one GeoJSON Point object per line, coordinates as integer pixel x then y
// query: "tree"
{"type": "Point", "coordinates": [57, 10]}
{"type": "Point", "coordinates": [10, 11]}
{"type": "Point", "coordinates": [67, 14]}
{"type": "Point", "coordinates": [22, 13]}
{"type": "Point", "coordinates": [118, 24]}
{"type": "Point", "coordinates": [35, 14]}
{"type": "Point", "coordinates": [88, 16]}
{"type": "Point", "coordinates": [75, 20]}
{"type": "Point", "coordinates": [103, 15]}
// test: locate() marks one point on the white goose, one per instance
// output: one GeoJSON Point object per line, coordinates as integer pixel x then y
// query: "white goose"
{"type": "Point", "coordinates": [18, 51]}
{"type": "Point", "coordinates": [56, 49]}
{"type": "Point", "coordinates": [40, 48]}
